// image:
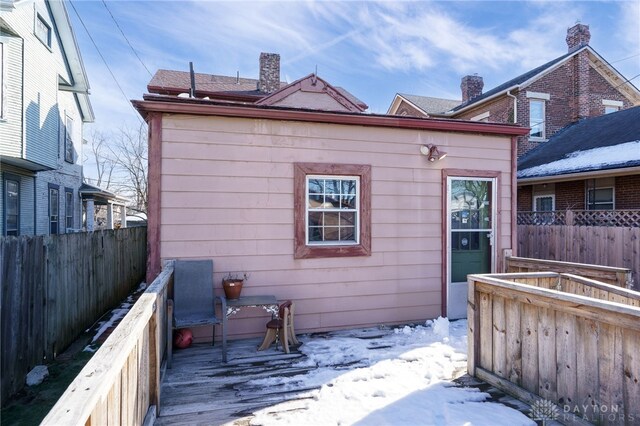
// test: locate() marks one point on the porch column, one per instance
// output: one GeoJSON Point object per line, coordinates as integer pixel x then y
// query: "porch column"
{"type": "Point", "coordinates": [109, 216]}
{"type": "Point", "coordinates": [123, 221]}
{"type": "Point", "coordinates": [90, 213]}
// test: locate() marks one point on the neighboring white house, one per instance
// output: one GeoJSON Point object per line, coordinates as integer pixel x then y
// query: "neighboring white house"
{"type": "Point", "coordinates": [44, 102]}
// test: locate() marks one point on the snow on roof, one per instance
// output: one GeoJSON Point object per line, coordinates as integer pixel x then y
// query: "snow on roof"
{"type": "Point", "coordinates": [608, 157]}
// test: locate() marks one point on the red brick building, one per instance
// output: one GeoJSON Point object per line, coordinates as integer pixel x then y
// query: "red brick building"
{"type": "Point", "coordinates": [575, 86]}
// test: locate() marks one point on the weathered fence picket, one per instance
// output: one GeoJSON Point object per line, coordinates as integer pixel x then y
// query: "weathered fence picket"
{"type": "Point", "coordinates": [56, 286]}
{"type": "Point", "coordinates": [610, 246]}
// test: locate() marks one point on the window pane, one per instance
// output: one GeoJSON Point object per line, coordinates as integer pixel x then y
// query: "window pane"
{"type": "Point", "coordinates": [544, 204]}
{"type": "Point", "coordinates": [332, 205]}
{"type": "Point", "coordinates": [316, 186]}
{"type": "Point", "coordinates": [347, 234]}
{"type": "Point", "coordinates": [69, 149]}
{"type": "Point", "coordinates": [610, 109]}
{"type": "Point", "coordinates": [536, 118]}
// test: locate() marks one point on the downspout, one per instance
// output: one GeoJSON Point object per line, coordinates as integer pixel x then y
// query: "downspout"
{"type": "Point", "coordinates": [515, 106]}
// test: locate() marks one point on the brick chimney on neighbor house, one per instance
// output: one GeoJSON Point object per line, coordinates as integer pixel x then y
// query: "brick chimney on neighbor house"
{"type": "Point", "coordinates": [471, 87]}
{"type": "Point", "coordinates": [269, 80]}
{"type": "Point", "coordinates": [578, 36]}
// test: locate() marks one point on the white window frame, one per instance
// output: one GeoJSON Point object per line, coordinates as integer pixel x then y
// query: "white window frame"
{"type": "Point", "coordinates": [537, 197]}
{"type": "Point", "coordinates": [542, 124]}
{"type": "Point", "coordinates": [16, 180]}
{"type": "Point", "coordinates": [69, 209]}
{"type": "Point", "coordinates": [39, 20]}
{"type": "Point", "coordinates": [356, 211]}
{"type": "Point", "coordinates": [612, 202]}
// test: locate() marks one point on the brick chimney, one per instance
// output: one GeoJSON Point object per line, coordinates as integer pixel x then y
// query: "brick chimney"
{"type": "Point", "coordinates": [471, 87]}
{"type": "Point", "coordinates": [578, 36]}
{"type": "Point", "coordinates": [269, 80]}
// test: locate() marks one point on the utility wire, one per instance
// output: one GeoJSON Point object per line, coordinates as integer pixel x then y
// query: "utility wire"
{"type": "Point", "coordinates": [104, 60]}
{"type": "Point", "coordinates": [126, 39]}
{"type": "Point", "coordinates": [624, 59]}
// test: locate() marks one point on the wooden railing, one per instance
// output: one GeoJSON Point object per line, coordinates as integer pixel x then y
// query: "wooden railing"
{"type": "Point", "coordinates": [121, 383]}
{"type": "Point", "coordinates": [606, 274]}
{"type": "Point", "coordinates": [558, 338]}
{"type": "Point", "coordinates": [622, 218]}
{"type": "Point", "coordinates": [54, 287]}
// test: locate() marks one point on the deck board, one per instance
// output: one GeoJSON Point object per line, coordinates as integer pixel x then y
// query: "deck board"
{"type": "Point", "coordinates": [201, 390]}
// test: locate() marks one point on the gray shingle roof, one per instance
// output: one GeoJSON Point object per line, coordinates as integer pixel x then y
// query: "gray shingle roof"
{"type": "Point", "coordinates": [169, 81]}
{"type": "Point", "coordinates": [431, 105]}
{"type": "Point", "coordinates": [607, 131]}
{"type": "Point", "coordinates": [514, 81]}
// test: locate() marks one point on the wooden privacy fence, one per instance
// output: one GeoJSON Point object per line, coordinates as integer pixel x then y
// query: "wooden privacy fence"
{"type": "Point", "coordinates": [120, 385]}
{"type": "Point", "coordinates": [54, 287]}
{"type": "Point", "coordinates": [561, 338]}
{"type": "Point", "coordinates": [598, 245]}
{"type": "Point", "coordinates": [606, 274]}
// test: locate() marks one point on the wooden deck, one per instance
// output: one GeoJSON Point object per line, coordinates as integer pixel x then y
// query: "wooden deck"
{"type": "Point", "coordinates": [200, 389]}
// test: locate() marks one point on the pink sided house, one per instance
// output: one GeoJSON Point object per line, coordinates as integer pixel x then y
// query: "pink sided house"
{"type": "Point", "coordinates": [358, 218]}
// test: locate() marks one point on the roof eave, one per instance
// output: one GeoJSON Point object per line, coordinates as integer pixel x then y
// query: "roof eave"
{"type": "Point", "coordinates": [73, 59]}
{"type": "Point", "coordinates": [476, 104]}
{"type": "Point", "coordinates": [157, 104]}
{"type": "Point", "coordinates": [617, 171]}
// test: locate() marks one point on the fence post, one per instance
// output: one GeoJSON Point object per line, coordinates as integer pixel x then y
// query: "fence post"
{"type": "Point", "coordinates": [569, 218]}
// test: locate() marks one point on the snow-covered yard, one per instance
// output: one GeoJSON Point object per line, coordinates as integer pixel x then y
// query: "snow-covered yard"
{"type": "Point", "coordinates": [398, 376]}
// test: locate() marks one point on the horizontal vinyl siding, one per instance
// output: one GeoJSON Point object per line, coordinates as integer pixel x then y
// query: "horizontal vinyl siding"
{"type": "Point", "coordinates": [11, 123]}
{"type": "Point", "coordinates": [227, 194]}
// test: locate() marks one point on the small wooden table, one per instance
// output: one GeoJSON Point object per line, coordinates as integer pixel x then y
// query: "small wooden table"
{"type": "Point", "coordinates": [269, 303]}
{"type": "Point", "coordinates": [232, 306]}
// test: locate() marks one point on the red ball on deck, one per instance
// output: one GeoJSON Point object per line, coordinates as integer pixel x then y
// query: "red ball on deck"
{"type": "Point", "coordinates": [182, 338]}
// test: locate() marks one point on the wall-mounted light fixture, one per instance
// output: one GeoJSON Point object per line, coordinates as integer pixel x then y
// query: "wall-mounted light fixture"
{"type": "Point", "coordinates": [432, 152]}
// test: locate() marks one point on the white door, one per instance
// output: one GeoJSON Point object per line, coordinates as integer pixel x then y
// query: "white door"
{"type": "Point", "coordinates": [470, 234]}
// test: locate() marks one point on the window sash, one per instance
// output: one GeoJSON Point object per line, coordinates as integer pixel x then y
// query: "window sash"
{"type": "Point", "coordinates": [54, 210]}
{"type": "Point", "coordinates": [68, 141]}
{"type": "Point", "coordinates": [536, 118]}
{"type": "Point", "coordinates": [600, 198]}
{"type": "Point", "coordinates": [12, 206]}
{"type": "Point", "coordinates": [543, 203]}
{"type": "Point", "coordinates": [68, 209]}
{"type": "Point", "coordinates": [331, 221]}
{"type": "Point", "coordinates": [43, 31]}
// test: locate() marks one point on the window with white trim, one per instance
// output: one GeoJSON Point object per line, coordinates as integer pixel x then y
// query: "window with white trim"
{"type": "Point", "coordinates": [332, 209]}
{"type": "Point", "coordinates": [68, 207]}
{"type": "Point", "coordinates": [43, 30]}
{"type": "Point", "coordinates": [608, 109]}
{"type": "Point", "coordinates": [600, 198]}
{"type": "Point", "coordinates": [536, 118]}
{"type": "Point", "coordinates": [11, 206]}
{"type": "Point", "coordinates": [54, 209]}
{"type": "Point", "coordinates": [544, 203]}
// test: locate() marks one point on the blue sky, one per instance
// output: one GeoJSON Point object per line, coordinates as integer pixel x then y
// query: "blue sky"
{"type": "Point", "coordinates": [373, 49]}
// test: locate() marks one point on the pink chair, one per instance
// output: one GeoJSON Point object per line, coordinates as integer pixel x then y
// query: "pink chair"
{"type": "Point", "coordinates": [281, 328]}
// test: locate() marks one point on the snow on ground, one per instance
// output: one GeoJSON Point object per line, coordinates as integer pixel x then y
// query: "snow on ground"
{"type": "Point", "coordinates": [589, 159]}
{"type": "Point", "coordinates": [115, 316]}
{"type": "Point", "coordinates": [403, 380]}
